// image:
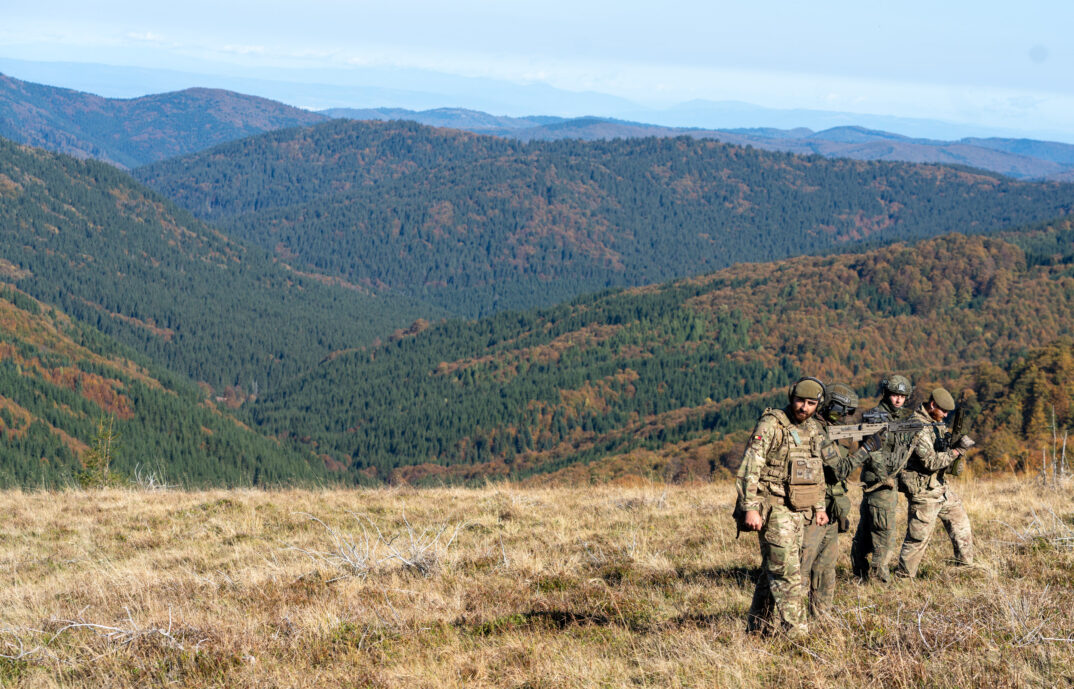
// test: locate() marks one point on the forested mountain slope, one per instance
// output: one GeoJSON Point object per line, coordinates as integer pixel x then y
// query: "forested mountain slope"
{"type": "Point", "coordinates": [87, 238]}
{"type": "Point", "coordinates": [478, 224]}
{"type": "Point", "coordinates": [1027, 409]}
{"type": "Point", "coordinates": [518, 394]}
{"type": "Point", "coordinates": [60, 379]}
{"type": "Point", "coordinates": [132, 132]}
{"type": "Point", "coordinates": [1018, 158]}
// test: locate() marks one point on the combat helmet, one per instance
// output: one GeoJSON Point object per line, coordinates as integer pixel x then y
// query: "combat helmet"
{"type": "Point", "coordinates": [896, 385]}
{"type": "Point", "coordinates": [840, 402]}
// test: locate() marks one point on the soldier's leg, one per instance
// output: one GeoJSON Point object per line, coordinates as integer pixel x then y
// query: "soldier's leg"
{"type": "Point", "coordinates": [822, 575]}
{"type": "Point", "coordinates": [920, 521]}
{"type": "Point", "coordinates": [781, 540]}
{"type": "Point", "coordinates": [883, 505]}
{"type": "Point", "coordinates": [759, 617]}
{"type": "Point", "coordinates": [957, 522]}
{"type": "Point", "coordinates": [862, 544]}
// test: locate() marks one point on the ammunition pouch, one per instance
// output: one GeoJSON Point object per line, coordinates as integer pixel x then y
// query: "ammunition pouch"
{"type": "Point", "coordinates": [805, 482]}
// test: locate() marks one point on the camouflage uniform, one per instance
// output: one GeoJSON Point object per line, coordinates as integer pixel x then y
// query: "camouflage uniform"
{"type": "Point", "coordinates": [764, 484]}
{"type": "Point", "coordinates": [930, 498]}
{"type": "Point", "coordinates": [875, 535]}
{"type": "Point", "coordinates": [820, 548]}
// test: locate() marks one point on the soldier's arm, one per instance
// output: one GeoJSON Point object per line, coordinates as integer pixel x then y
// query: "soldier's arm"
{"type": "Point", "coordinates": [753, 461]}
{"type": "Point", "coordinates": [926, 453]}
{"type": "Point", "coordinates": [838, 468]}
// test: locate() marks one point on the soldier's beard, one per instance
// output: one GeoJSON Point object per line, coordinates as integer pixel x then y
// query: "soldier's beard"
{"type": "Point", "coordinates": [800, 414]}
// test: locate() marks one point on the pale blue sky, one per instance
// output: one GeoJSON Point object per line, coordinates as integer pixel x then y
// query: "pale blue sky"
{"type": "Point", "coordinates": [1005, 65]}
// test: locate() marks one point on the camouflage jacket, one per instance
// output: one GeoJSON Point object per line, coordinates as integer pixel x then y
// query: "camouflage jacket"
{"type": "Point", "coordinates": [764, 469]}
{"type": "Point", "coordinates": [923, 474]}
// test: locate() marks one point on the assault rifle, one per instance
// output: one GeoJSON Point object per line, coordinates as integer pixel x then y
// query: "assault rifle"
{"type": "Point", "coordinates": [956, 438]}
{"type": "Point", "coordinates": [863, 430]}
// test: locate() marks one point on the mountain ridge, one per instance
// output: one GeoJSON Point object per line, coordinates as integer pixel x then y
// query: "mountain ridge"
{"type": "Point", "coordinates": [476, 223]}
{"type": "Point", "coordinates": [132, 132]}
{"type": "Point", "coordinates": [1017, 158]}
{"type": "Point", "coordinates": [129, 132]}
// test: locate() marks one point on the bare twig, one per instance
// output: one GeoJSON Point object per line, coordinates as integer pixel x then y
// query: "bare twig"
{"type": "Point", "coordinates": [17, 646]}
{"type": "Point", "coordinates": [422, 551]}
{"type": "Point", "coordinates": [149, 480]}
{"type": "Point", "coordinates": [124, 636]}
{"type": "Point", "coordinates": [354, 556]}
{"type": "Point", "coordinates": [358, 555]}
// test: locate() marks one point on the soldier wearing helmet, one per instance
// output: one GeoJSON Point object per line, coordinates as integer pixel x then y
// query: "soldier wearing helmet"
{"type": "Point", "coordinates": [874, 540]}
{"type": "Point", "coordinates": [780, 487]}
{"type": "Point", "coordinates": [820, 548]}
{"type": "Point", "coordinates": [930, 498]}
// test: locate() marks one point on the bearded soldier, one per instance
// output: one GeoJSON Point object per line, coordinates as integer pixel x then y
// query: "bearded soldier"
{"type": "Point", "coordinates": [780, 489]}
{"type": "Point", "coordinates": [875, 535]}
{"type": "Point", "coordinates": [930, 498]}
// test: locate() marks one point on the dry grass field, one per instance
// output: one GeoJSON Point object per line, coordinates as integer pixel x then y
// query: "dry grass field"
{"type": "Point", "coordinates": [504, 586]}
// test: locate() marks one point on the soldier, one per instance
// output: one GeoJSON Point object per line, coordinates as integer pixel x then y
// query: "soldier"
{"type": "Point", "coordinates": [929, 496]}
{"type": "Point", "coordinates": [820, 547]}
{"type": "Point", "coordinates": [875, 535]}
{"type": "Point", "coordinates": [780, 489]}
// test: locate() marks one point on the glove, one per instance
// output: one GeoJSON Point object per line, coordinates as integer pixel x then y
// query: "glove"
{"type": "Point", "coordinates": [873, 442]}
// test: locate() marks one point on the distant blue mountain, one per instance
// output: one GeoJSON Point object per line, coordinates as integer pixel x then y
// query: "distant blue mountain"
{"type": "Point", "coordinates": [135, 131]}
{"type": "Point", "coordinates": [417, 89]}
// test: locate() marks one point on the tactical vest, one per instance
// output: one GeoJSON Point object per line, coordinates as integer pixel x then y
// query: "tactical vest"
{"type": "Point", "coordinates": [794, 468]}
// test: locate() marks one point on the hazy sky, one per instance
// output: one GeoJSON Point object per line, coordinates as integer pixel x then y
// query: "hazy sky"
{"type": "Point", "coordinates": [1002, 64]}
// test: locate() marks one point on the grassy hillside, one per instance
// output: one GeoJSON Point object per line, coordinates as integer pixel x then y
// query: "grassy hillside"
{"type": "Point", "coordinates": [570, 587]}
{"type": "Point", "coordinates": [519, 394]}
{"type": "Point", "coordinates": [478, 224]}
{"type": "Point", "coordinates": [62, 383]}
{"type": "Point", "coordinates": [136, 131]}
{"type": "Point", "coordinates": [90, 240]}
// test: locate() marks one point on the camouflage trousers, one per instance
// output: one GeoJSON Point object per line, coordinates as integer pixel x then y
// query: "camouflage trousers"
{"type": "Point", "coordinates": [778, 599]}
{"type": "Point", "coordinates": [924, 510]}
{"type": "Point", "coordinates": [875, 535]}
{"type": "Point", "coordinates": [820, 550]}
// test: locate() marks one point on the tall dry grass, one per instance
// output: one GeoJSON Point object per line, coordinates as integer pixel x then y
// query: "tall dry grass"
{"type": "Point", "coordinates": [503, 586]}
